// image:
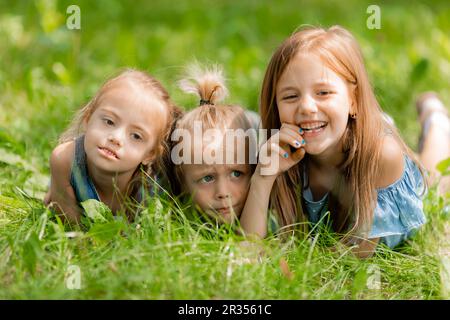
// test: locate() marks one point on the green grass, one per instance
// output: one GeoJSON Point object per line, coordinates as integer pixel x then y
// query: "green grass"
{"type": "Point", "coordinates": [47, 72]}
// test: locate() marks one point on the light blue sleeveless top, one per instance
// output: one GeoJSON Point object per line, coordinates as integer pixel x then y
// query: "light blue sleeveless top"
{"type": "Point", "coordinates": [399, 210]}
{"type": "Point", "coordinates": [80, 180]}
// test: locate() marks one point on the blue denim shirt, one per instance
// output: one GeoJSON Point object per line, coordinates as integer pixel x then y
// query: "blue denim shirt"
{"type": "Point", "coordinates": [399, 210]}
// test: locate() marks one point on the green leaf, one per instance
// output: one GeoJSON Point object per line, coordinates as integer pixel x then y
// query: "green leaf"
{"type": "Point", "coordinates": [444, 167]}
{"type": "Point", "coordinates": [97, 211]}
{"type": "Point", "coordinates": [106, 231]}
{"type": "Point", "coordinates": [30, 252]}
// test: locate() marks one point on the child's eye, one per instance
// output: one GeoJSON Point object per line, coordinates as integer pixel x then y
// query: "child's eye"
{"type": "Point", "coordinates": [206, 179]}
{"type": "Point", "coordinates": [323, 93]}
{"type": "Point", "coordinates": [292, 96]}
{"type": "Point", "coordinates": [236, 174]}
{"type": "Point", "coordinates": [108, 122]}
{"type": "Point", "coordinates": [136, 136]}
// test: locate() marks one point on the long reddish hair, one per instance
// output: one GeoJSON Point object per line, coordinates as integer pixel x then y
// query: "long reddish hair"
{"type": "Point", "coordinates": [353, 198]}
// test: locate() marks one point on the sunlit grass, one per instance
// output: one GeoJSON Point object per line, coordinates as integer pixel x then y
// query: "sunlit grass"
{"type": "Point", "coordinates": [47, 72]}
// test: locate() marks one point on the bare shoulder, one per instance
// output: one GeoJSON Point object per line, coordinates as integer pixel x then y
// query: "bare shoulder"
{"type": "Point", "coordinates": [61, 196]}
{"type": "Point", "coordinates": [61, 158]}
{"type": "Point", "coordinates": [391, 162]}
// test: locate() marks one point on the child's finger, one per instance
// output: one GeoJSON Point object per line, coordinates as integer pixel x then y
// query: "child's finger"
{"type": "Point", "coordinates": [295, 137]}
{"type": "Point", "coordinates": [288, 139]}
{"type": "Point", "coordinates": [299, 154]}
{"type": "Point", "coordinates": [294, 132]}
{"type": "Point", "coordinates": [276, 148]}
{"type": "Point", "coordinates": [291, 126]}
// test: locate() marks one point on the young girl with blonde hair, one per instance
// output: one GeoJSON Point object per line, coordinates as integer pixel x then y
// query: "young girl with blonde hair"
{"type": "Point", "coordinates": [111, 148]}
{"type": "Point", "coordinates": [337, 152]}
{"type": "Point", "coordinates": [217, 189]}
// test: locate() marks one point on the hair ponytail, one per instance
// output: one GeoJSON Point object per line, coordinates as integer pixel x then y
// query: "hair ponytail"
{"type": "Point", "coordinates": [207, 83]}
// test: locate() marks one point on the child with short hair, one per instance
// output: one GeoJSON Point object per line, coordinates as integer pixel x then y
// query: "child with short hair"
{"type": "Point", "coordinates": [337, 152]}
{"type": "Point", "coordinates": [110, 150]}
{"type": "Point", "coordinates": [218, 188]}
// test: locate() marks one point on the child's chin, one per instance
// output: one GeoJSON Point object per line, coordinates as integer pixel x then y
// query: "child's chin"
{"type": "Point", "coordinates": [224, 219]}
{"type": "Point", "coordinates": [313, 150]}
{"type": "Point", "coordinates": [229, 219]}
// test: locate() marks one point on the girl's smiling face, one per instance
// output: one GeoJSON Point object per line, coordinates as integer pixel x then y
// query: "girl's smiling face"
{"type": "Point", "coordinates": [123, 130]}
{"type": "Point", "coordinates": [313, 97]}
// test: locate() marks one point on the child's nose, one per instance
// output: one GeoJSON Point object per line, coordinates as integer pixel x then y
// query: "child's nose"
{"type": "Point", "coordinates": [115, 138]}
{"type": "Point", "coordinates": [222, 190]}
{"type": "Point", "coordinates": [307, 105]}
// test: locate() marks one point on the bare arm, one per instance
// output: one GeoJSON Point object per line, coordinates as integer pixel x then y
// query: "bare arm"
{"type": "Point", "coordinates": [254, 215]}
{"type": "Point", "coordinates": [279, 159]}
{"type": "Point", "coordinates": [61, 197]}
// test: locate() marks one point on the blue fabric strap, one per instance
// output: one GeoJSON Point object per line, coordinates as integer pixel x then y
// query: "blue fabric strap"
{"type": "Point", "coordinates": [81, 182]}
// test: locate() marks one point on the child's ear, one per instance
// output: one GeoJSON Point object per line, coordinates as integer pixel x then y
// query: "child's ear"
{"type": "Point", "coordinates": [150, 157]}
{"type": "Point", "coordinates": [353, 97]}
{"type": "Point", "coordinates": [84, 122]}
{"type": "Point", "coordinates": [352, 107]}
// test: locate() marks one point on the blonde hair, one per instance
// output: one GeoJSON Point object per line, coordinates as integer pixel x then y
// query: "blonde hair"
{"type": "Point", "coordinates": [208, 84]}
{"type": "Point", "coordinates": [353, 198]}
{"type": "Point", "coordinates": [147, 83]}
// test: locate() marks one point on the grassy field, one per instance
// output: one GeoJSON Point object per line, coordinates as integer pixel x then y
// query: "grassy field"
{"type": "Point", "coordinates": [48, 71]}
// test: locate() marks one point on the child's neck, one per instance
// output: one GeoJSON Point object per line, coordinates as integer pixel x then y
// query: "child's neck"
{"type": "Point", "coordinates": [327, 160]}
{"type": "Point", "coordinates": [110, 186]}
{"type": "Point", "coordinates": [322, 172]}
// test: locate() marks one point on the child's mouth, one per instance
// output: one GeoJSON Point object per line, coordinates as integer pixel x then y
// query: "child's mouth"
{"type": "Point", "coordinates": [226, 210]}
{"type": "Point", "coordinates": [108, 153]}
{"type": "Point", "coordinates": [313, 129]}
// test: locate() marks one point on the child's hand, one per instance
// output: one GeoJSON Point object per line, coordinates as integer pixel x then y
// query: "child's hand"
{"type": "Point", "coordinates": [282, 151]}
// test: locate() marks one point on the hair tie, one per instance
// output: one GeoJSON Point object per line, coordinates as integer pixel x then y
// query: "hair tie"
{"type": "Point", "coordinates": [202, 102]}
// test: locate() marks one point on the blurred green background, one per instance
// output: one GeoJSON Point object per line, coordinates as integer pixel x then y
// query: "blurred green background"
{"type": "Point", "coordinates": [48, 71]}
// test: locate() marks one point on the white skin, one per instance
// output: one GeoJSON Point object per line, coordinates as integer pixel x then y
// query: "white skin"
{"type": "Point", "coordinates": [314, 104]}
{"type": "Point", "coordinates": [120, 134]}
{"type": "Point", "coordinates": [219, 190]}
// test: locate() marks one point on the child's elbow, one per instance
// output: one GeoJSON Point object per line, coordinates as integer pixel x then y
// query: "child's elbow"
{"type": "Point", "coordinates": [366, 249]}
{"type": "Point", "coordinates": [65, 213]}
{"type": "Point", "coordinates": [364, 254]}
